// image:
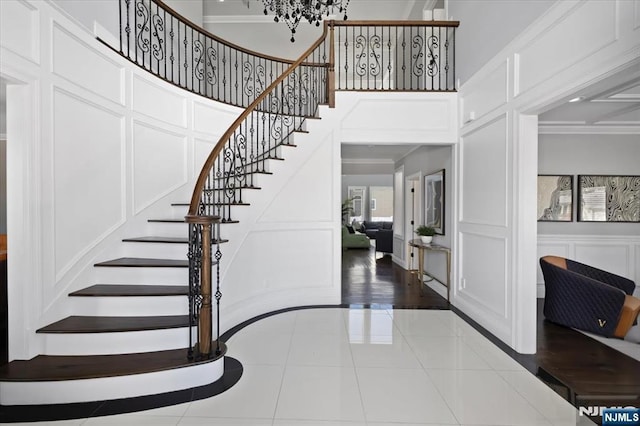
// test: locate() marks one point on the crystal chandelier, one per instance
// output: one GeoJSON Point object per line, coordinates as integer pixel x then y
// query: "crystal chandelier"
{"type": "Point", "coordinates": [293, 11]}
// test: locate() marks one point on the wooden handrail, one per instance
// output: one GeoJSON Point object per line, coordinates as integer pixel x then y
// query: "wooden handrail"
{"type": "Point", "coordinates": [197, 192]}
{"type": "Point", "coordinates": [369, 23]}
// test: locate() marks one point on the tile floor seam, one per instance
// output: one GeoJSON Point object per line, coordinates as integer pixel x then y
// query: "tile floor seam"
{"type": "Point", "coordinates": [284, 369]}
{"type": "Point", "coordinates": [357, 376]}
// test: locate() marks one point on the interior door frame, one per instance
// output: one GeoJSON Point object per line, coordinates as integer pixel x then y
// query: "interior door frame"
{"type": "Point", "coordinates": [413, 213]}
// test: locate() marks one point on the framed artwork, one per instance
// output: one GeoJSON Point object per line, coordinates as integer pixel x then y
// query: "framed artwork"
{"type": "Point", "coordinates": [555, 198]}
{"type": "Point", "coordinates": [608, 198]}
{"type": "Point", "coordinates": [434, 201]}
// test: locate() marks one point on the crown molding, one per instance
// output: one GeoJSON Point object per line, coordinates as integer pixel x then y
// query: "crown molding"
{"type": "Point", "coordinates": [587, 130]}
{"type": "Point", "coordinates": [367, 161]}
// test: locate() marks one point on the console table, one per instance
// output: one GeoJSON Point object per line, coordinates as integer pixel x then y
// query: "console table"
{"type": "Point", "coordinates": [422, 247]}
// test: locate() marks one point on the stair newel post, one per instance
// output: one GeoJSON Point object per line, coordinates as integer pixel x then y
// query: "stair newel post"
{"type": "Point", "coordinates": [202, 289]}
{"type": "Point", "coordinates": [331, 83]}
{"type": "Point", "coordinates": [218, 294]}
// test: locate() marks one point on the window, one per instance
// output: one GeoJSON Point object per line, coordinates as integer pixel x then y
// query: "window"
{"type": "Point", "coordinates": [381, 206]}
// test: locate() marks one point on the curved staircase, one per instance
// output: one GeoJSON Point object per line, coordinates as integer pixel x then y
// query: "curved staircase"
{"type": "Point", "coordinates": [164, 292]}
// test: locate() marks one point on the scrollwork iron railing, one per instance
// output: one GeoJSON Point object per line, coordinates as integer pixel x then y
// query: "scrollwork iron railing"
{"type": "Point", "coordinates": [159, 40]}
{"type": "Point", "coordinates": [403, 56]}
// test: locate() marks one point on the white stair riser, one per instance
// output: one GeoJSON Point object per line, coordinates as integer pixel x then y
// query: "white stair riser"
{"type": "Point", "coordinates": [155, 250]}
{"type": "Point", "coordinates": [152, 276]}
{"type": "Point", "coordinates": [115, 343]}
{"type": "Point", "coordinates": [130, 306]}
{"type": "Point", "coordinates": [108, 388]}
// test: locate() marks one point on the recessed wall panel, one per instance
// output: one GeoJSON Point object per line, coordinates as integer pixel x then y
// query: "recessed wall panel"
{"type": "Point", "coordinates": [484, 174]}
{"type": "Point", "coordinates": [550, 249]}
{"type": "Point", "coordinates": [272, 250]}
{"type": "Point", "coordinates": [159, 163]}
{"type": "Point", "coordinates": [400, 119]}
{"type": "Point", "coordinates": [213, 120]}
{"type": "Point", "coordinates": [83, 65]}
{"type": "Point", "coordinates": [585, 32]}
{"type": "Point", "coordinates": [88, 175]}
{"type": "Point", "coordinates": [314, 182]}
{"type": "Point", "coordinates": [610, 257]}
{"type": "Point", "coordinates": [19, 28]}
{"type": "Point", "coordinates": [159, 102]}
{"type": "Point", "coordinates": [489, 94]}
{"type": "Point", "coordinates": [203, 149]}
{"type": "Point", "coordinates": [484, 273]}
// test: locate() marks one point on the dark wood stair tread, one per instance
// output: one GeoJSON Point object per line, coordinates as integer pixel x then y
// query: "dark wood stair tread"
{"type": "Point", "coordinates": [87, 324]}
{"type": "Point", "coordinates": [222, 222]}
{"type": "Point", "coordinates": [138, 262]}
{"type": "Point", "coordinates": [169, 240]}
{"type": "Point", "coordinates": [56, 367]}
{"type": "Point", "coordinates": [213, 204]}
{"type": "Point", "coordinates": [124, 290]}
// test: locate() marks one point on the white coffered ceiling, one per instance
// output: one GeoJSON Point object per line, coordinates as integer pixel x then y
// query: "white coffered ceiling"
{"type": "Point", "coordinates": [609, 106]}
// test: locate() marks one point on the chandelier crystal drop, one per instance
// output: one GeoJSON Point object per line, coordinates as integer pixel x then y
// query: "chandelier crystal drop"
{"type": "Point", "coordinates": [294, 11]}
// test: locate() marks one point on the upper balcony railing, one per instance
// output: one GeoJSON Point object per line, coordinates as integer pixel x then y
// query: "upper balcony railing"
{"type": "Point", "coordinates": [161, 41]}
{"type": "Point", "coordinates": [367, 55]}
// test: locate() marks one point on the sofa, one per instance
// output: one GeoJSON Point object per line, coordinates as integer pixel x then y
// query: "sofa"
{"type": "Point", "coordinates": [352, 240]}
{"type": "Point", "coordinates": [371, 228]}
{"type": "Point", "coordinates": [384, 241]}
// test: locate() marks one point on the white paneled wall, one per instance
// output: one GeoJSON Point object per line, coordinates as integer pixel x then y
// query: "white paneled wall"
{"type": "Point", "coordinates": [96, 146]}
{"type": "Point", "coordinates": [573, 44]}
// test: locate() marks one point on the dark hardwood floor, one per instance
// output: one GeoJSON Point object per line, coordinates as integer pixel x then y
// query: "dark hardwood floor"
{"type": "Point", "coordinates": [582, 370]}
{"type": "Point", "coordinates": [372, 279]}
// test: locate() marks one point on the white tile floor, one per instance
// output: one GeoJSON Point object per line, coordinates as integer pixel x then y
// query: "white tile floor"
{"type": "Point", "coordinates": [330, 367]}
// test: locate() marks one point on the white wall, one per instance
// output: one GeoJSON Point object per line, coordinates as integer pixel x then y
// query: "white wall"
{"type": "Point", "coordinates": [572, 45]}
{"type": "Point", "coordinates": [104, 12]}
{"type": "Point", "coordinates": [193, 10]}
{"type": "Point", "coordinates": [487, 26]}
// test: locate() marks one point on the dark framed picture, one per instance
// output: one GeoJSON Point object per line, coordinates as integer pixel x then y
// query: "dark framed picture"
{"type": "Point", "coordinates": [555, 198]}
{"type": "Point", "coordinates": [603, 198]}
{"type": "Point", "coordinates": [434, 201]}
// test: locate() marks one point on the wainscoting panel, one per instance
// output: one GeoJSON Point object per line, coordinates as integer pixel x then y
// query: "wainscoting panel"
{"type": "Point", "coordinates": [593, 23]}
{"type": "Point", "coordinates": [479, 254]}
{"type": "Point", "coordinates": [76, 62]}
{"type": "Point", "coordinates": [617, 254]}
{"type": "Point", "coordinates": [211, 120]}
{"type": "Point", "coordinates": [484, 174]}
{"type": "Point", "coordinates": [398, 117]}
{"type": "Point", "coordinates": [202, 149]}
{"type": "Point", "coordinates": [159, 102]}
{"type": "Point", "coordinates": [488, 96]}
{"type": "Point", "coordinates": [308, 193]}
{"type": "Point", "coordinates": [20, 29]}
{"type": "Point", "coordinates": [159, 164]}
{"type": "Point", "coordinates": [82, 130]}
